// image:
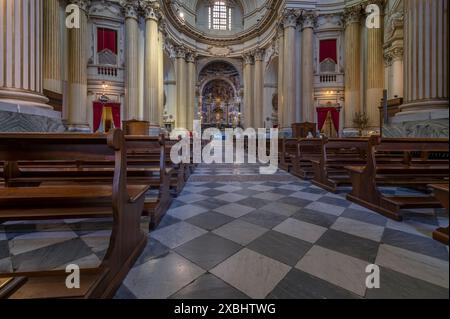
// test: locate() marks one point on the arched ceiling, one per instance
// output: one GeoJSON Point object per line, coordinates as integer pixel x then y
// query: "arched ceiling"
{"type": "Point", "coordinates": [247, 5]}
{"type": "Point", "coordinates": [258, 15]}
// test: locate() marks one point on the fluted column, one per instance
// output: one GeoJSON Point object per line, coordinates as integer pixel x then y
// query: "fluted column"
{"type": "Point", "coordinates": [190, 94]}
{"type": "Point", "coordinates": [426, 57]}
{"type": "Point", "coordinates": [290, 18]}
{"type": "Point", "coordinates": [161, 39]}
{"type": "Point", "coordinates": [374, 74]}
{"type": "Point", "coordinates": [181, 87]}
{"type": "Point", "coordinates": [248, 90]}
{"type": "Point", "coordinates": [394, 64]}
{"type": "Point", "coordinates": [151, 107]}
{"type": "Point", "coordinates": [258, 115]}
{"type": "Point", "coordinates": [77, 72]}
{"type": "Point", "coordinates": [52, 46]}
{"type": "Point", "coordinates": [352, 65]}
{"type": "Point", "coordinates": [131, 62]}
{"type": "Point", "coordinates": [308, 22]}
{"type": "Point", "coordinates": [281, 109]}
{"type": "Point", "coordinates": [21, 48]}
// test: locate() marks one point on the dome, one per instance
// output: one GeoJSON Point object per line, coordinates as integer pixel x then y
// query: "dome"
{"type": "Point", "coordinates": [227, 21]}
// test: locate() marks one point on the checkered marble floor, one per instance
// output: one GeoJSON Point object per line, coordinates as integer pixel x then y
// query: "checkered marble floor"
{"type": "Point", "coordinates": [235, 234]}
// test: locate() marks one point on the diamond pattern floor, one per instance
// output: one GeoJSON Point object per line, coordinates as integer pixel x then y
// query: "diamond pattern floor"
{"type": "Point", "coordinates": [233, 233]}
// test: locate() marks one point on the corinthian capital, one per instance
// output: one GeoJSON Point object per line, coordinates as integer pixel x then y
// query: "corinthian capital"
{"type": "Point", "coordinates": [82, 4]}
{"type": "Point", "coordinates": [248, 58]}
{"type": "Point", "coordinates": [151, 9]}
{"type": "Point", "coordinates": [130, 9]}
{"type": "Point", "coordinates": [191, 56]}
{"type": "Point", "coordinates": [259, 54]}
{"type": "Point", "coordinates": [180, 52]}
{"type": "Point", "coordinates": [352, 15]}
{"type": "Point", "coordinates": [309, 20]}
{"type": "Point", "coordinates": [290, 18]}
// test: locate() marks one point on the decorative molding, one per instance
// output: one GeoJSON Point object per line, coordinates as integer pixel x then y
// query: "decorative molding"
{"type": "Point", "coordinates": [82, 4]}
{"type": "Point", "coordinates": [290, 18]}
{"type": "Point", "coordinates": [352, 15]}
{"type": "Point", "coordinates": [219, 51]}
{"type": "Point", "coordinates": [130, 9]}
{"type": "Point", "coordinates": [259, 54]}
{"type": "Point", "coordinates": [151, 9]}
{"type": "Point", "coordinates": [248, 58]}
{"type": "Point", "coordinates": [309, 20]}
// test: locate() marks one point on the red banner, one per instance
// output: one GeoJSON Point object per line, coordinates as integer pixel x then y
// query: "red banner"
{"type": "Point", "coordinates": [328, 50]}
{"type": "Point", "coordinates": [106, 39]}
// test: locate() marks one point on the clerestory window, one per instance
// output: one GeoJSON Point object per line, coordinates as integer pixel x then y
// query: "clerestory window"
{"type": "Point", "coordinates": [220, 16]}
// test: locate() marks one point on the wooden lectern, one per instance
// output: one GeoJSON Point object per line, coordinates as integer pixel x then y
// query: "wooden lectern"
{"type": "Point", "coordinates": [301, 130]}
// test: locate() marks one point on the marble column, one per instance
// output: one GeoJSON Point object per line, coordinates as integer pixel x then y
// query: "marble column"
{"type": "Point", "coordinates": [374, 74]}
{"type": "Point", "coordinates": [151, 95]}
{"type": "Point", "coordinates": [52, 47]}
{"type": "Point", "coordinates": [190, 92]}
{"type": "Point", "coordinates": [77, 72]}
{"type": "Point", "coordinates": [308, 21]}
{"type": "Point", "coordinates": [248, 90]}
{"type": "Point", "coordinates": [161, 39]}
{"type": "Point", "coordinates": [281, 109]}
{"type": "Point", "coordinates": [131, 62]}
{"type": "Point", "coordinates": [394, 66]}
{"type": "Point", "coordinates": [426, 60]}
{"type": "Point", "coordinates": [258, 114]}
{"type": "Point", "coordinates": [352, 18]}
{"type": "Point", "coordinates": [290, 18]}
{"type": "Point", "coordinates": [181, 122]}
{"type": "Point", "coordinates": [21, 48]}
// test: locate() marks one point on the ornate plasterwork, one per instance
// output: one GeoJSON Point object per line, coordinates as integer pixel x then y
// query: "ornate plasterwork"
{"type": "Point", "coordinates": [290, 18]}
{"type": "Point", "coordinates": [259, 54]}
{"type": "Point", "coordinates": [248, 58]}
{"type": "Point", "coordinates": [82, 4]}
{"type": "Point", "coordinates": [352, 15]}
{"type": "Point", "coordinates": [151, 9]}
{"type": "Point", "coordinates": [309, 19]}
{"type": "Point", "coordinates": [219, 51]}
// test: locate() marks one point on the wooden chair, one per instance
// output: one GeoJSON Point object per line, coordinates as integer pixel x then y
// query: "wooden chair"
{"type": "Point", "coordinates": [117, 199]}
{"type": "Point", "coordinates": [308, 150]}
{"type": "Point", "coordinates": [335, 154]}
{"type": "Point", "coordinates": [413, 172]}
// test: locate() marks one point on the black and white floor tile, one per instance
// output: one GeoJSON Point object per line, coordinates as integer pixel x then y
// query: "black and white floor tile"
{"type": "Point", "coordinates": [235, 234]}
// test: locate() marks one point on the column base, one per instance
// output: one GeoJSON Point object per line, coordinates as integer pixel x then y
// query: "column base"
{"type": "Point", "coordinates": [350, 132]}
{"type": "Point", "coordinates": [15, 116]}
{"type": "Point", "coordinates": [78, 128]}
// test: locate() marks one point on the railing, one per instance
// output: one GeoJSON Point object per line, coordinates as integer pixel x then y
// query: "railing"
{"type": "Point", "coordinates": [105, 73]}
{"type": "Point", "coordinates": [327, 78]}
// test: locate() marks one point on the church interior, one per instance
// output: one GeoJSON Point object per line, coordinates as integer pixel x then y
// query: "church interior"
{"type": "Point", "coordinates": [96, 95]}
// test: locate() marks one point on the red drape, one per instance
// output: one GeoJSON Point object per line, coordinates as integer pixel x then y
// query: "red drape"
{"type": "Point", "coordinates": [322, 114]}
{"type": "Point", "coordinates": [106, 39]}
{"type": "Point", "coordinates": [98, 113]}
{"type": "Point", "coordinates": [115, 107]}
{"type": "Point", "coordinates": [328, 50]}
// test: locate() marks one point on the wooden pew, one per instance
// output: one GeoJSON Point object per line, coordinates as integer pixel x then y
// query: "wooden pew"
{"type": "Point", "coordinates": [146, 160]}
{"type": "Point", "coordinates": [308, 150]}
{"type": "Point", "coordinates": [440, 192]}
{"type": "Point", "coordinates": [336, 153]}
{"type": "Point", "coordinates": [118, 199]}
{"type": "Point", "coordinates": [287, 149]}
{"type": "Point", "coordinates": [413, 172]}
